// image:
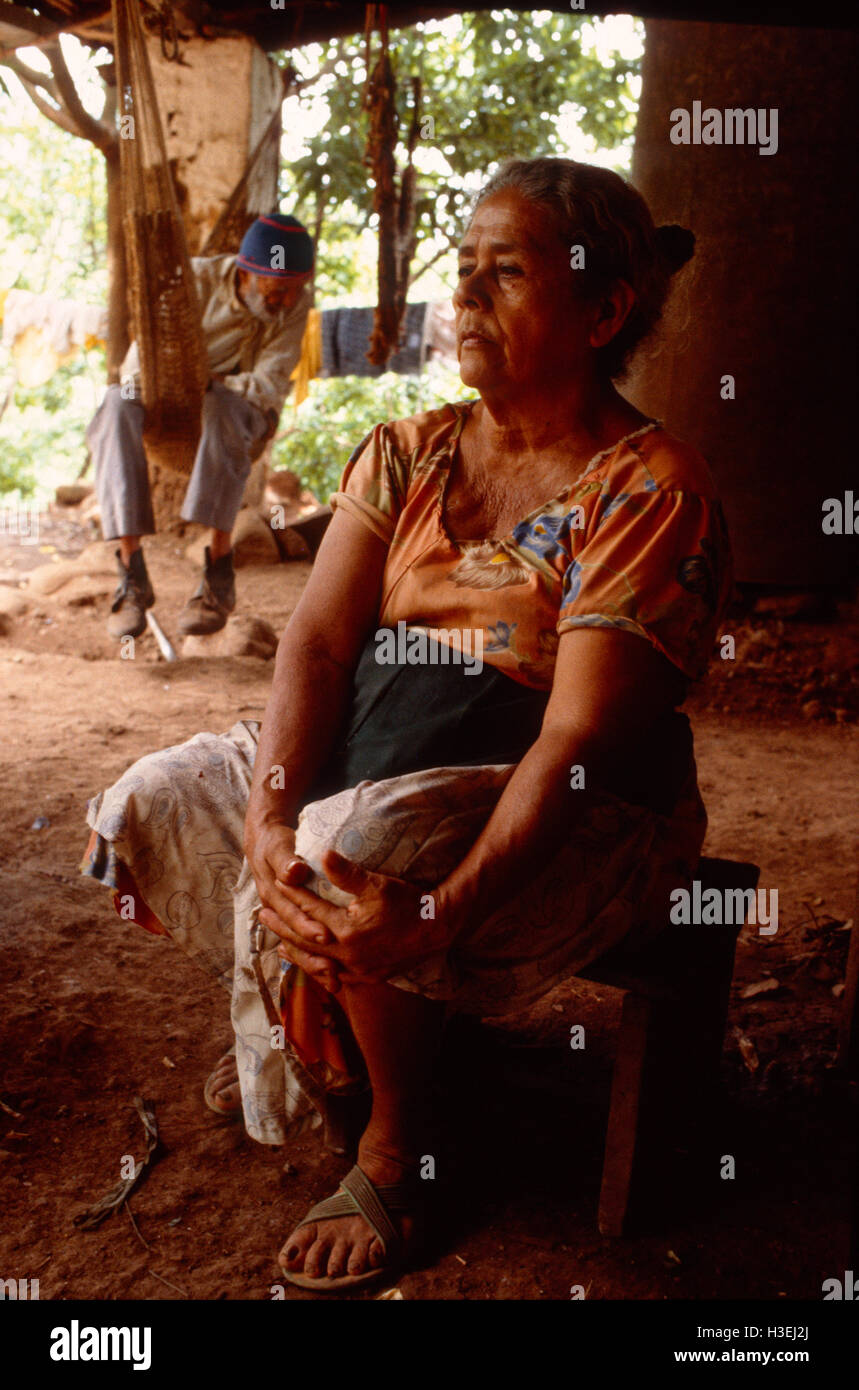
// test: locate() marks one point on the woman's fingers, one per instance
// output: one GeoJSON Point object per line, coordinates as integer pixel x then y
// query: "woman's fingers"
{"type": "Point", "coordinates": [345, 873]}
{"type": "Point", "coordinates": [321, 970]}
{"type": "Point", "coordinates": [291, 926]}
{"type": "Point", "coordinates": [326, 916]}
{"type": "Point", "coordinates": [279, 901]}
{"type": "Point", "coordinates": [294, 871]}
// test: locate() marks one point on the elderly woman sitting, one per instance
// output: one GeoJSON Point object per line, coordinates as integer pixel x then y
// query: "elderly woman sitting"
{"type": "Point", "coordinates": [472, 777]}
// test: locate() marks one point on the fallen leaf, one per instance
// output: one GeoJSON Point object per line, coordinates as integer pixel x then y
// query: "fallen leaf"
{"type": "Point", "coordinates": [747, 1051]}
{"type": "Point", "coordinates": [168, 1063]}
{"type": "Point", "coordinates": [119, 1193]}
{"type": "Point", "coordinates": [760, 987]}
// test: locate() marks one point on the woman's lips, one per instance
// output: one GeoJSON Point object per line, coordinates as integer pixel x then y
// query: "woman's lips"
{"type": "Point", "coordinates": [470, 339]}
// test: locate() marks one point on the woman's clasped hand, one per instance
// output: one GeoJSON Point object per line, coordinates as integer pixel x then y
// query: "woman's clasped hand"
{"type": "Point", "coordinates": [388, 927]}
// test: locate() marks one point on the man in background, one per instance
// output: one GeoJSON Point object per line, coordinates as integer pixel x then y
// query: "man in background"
{"type": "Point", "coordinates": [254, 310]}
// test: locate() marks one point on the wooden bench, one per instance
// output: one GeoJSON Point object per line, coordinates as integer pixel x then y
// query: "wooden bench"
{"type": "Point", "coordinates": [669, 1049]}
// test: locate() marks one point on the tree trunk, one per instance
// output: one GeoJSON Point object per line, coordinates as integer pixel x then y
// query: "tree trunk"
{"type": "Point", "coordinates": [208, 145]}
{"type": "Point", "coordinates": [117, 298]}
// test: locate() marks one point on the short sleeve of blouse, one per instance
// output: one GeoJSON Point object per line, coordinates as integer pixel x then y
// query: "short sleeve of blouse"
{"type": "Point", "coordinates": [374, 483]}
{"type": "Point", "coordinates": [656, 563]}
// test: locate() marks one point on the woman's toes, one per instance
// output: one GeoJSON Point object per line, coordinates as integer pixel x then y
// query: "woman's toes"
{"type": "Point", "coordinates": [376, 1255]}
{"type": "Point", "coordinates": [338, 1258]}
{"type": "Point", "coordinates": [292, 1254]}
{"type": "Point", "coordinates": [332, 1249]}
{"type": "Point", "coordinates": [316, 1259]}
{"type": "Point", "coordinates": [358, 1258]}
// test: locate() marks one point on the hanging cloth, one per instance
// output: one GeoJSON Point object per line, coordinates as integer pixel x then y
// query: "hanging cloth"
{"type": "Point", "coordinates": [163, 302]}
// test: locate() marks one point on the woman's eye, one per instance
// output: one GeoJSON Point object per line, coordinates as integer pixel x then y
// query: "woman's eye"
{"type": "Point", "coordinates": [511, 270]}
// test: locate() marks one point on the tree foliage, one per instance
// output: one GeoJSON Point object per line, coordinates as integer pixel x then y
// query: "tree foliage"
{"type": "Point", "coordinates": [316, 440]}
{"type": "Point", "coordinates": [493, 85]}
{"type": "Point", "coordinates": [53, 240]}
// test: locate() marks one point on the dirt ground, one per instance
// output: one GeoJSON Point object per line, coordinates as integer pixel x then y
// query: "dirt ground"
{"type": "Point", "coordinates": [96, 1012]}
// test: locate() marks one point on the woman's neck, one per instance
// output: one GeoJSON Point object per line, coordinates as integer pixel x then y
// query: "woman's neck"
{"type": "Point", "coordinates": [575, 423]}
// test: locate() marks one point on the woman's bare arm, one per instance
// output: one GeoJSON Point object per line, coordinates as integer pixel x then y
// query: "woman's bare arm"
{"type": "Point", "coordinates": [609, 690]}
{"type": "Point", "coordinates": [315, 663]}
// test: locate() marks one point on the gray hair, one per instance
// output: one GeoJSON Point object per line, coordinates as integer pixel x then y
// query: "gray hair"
{"type": "Point", "coordinates": [599, 211]}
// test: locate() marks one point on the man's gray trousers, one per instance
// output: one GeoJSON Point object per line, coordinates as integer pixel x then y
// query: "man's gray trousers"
{"type": "Point", "coordinates": [233, 430]}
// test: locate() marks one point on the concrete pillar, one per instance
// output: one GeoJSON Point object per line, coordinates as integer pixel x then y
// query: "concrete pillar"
{"type": "Point", "coordinates": [215, 105]}
{"type": "Point", "coordinates": [770, 295]}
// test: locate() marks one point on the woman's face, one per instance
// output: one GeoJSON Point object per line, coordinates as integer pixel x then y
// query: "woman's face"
{"type": "Point", "coordinates": [519, 328]}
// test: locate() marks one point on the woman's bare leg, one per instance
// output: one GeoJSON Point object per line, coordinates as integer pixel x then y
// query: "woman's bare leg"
{"type": "Point", "coordinates": [398, 1034]}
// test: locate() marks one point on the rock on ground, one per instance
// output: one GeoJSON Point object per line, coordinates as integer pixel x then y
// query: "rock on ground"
{"type": "Point", "coordinates": [12, 602]}
{"type": "Point", "coordinates": [253, 542]}
{"type": "Point", "coordinates": [72, 494]}
{"type": "Point", "coordinates": [96, 559]}
{"type": "Point", "coordinates": [244, 635]}
{"type": "Point", "coordinates": [282, 485]}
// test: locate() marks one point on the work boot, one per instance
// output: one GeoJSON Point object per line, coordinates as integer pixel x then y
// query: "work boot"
{"type": "Point", "coordinates": [209, 607]}
{"type": "Point", "coordinates": [131, 600]}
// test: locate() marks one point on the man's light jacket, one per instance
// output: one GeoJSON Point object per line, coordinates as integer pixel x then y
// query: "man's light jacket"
{"type": "Point", "coordinates": [256, 357]}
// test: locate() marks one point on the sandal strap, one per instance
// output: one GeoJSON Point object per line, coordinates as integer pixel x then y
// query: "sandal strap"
{"type": "Point", "coordinates": [362, 1197]}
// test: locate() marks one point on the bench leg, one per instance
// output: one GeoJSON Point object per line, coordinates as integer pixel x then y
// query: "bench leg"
{"type": "Point", "coordinates": [664, 1083]}
{"type": "Point", "coordinates": [624, 1113]}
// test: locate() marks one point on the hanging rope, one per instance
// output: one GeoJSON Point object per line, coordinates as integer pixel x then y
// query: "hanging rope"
{"type": "Point", "coordinates": [169, 34]}
{"type": "Point", "coordinates": [165, 312]}
{"type": "Point", "coordinates": [395, 206]}
{"type": "Point", "coordinates": [380, 99]}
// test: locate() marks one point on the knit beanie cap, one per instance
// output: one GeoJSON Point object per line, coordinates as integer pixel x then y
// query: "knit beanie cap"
{"type": "Point", "coordinates": [277, 245]}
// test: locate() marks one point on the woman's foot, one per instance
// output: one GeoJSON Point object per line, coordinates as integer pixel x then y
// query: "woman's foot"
{"type": "Point", "coordinates": [348, 1245]}
{"type": "Point", "coordinates": [222, 1092]}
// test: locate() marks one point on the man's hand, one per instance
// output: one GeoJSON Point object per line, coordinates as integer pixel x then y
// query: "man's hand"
{"type": "Point", "coordinates": [380, 934]}
{"type": "Point", "coordinates": [270, 851]}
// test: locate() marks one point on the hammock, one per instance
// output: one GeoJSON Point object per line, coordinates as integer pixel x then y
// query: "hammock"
{"type": "Point", "coordinates": [235, 219]}
{"type": "Point", "coordinates": [165, 312]}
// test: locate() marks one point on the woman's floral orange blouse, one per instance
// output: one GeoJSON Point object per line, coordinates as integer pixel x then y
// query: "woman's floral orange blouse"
{"type": "Point", "coordinates": [638, 542]}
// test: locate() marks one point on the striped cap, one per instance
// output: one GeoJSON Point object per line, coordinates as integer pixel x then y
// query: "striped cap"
{"type": "Point", "coordinates": [277, 245]}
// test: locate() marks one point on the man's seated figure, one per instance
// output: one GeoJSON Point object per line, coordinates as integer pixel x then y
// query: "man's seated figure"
{"type": "Point", "coordinates": [254, 310]}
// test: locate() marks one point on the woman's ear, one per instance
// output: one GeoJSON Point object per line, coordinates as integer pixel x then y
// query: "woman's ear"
{"type": "Point", "coordinates": [611, 312]}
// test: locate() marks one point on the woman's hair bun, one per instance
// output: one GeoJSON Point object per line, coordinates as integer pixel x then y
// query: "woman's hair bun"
{"type": "Point", "coordinates": [676, 245]}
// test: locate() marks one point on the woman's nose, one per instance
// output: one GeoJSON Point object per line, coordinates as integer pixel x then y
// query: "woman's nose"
{"type": "Point", "coordinates": [469, 289]}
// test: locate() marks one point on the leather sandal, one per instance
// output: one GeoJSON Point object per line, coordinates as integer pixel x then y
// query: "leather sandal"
{"type": "Point", "coordinates": [361, 1197]}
